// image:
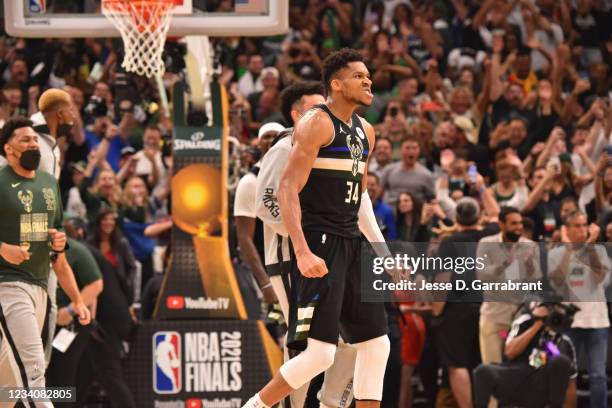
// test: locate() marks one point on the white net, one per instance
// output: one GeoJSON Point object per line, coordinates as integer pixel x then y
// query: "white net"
{"type": "Point", "coordinates": [143, 25]}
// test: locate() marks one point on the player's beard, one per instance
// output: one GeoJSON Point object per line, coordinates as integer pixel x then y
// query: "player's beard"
{"type": "Point", "coordinates": [360, 100]}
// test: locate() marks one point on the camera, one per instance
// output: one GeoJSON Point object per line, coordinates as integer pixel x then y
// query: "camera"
{"type": "Point", "coordinates": [555, 164]}
{"type": "Point", "coordinates": [96, 107]}
{"type": "Point", "coordinates": [174, 57]}
{"type": "Point", "coordinates": [429, 196]}
{"type": "Point", "coordinates": [393, 111]}
{"type": "Point", "coordinates": [124, 88]}
{"type": "Point", "coordinates": [560, 316]}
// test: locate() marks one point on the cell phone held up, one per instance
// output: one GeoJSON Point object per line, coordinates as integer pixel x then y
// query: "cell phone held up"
{"type": "Point", "coordinates": [472, 173]}
{"type": "Point", "coordinates": [609, 153]}
{"type": "Point", "coordinates": [554, 164]}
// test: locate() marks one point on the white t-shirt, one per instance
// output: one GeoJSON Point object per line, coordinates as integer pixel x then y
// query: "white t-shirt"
{"type": "Point", "coordinates": [75, 206]}
{"type": "Point", "coordinates": [245, 205]}
{"type": "Point", "coordinates": [266, 202]}
{"type": "Point", "coordinates": [247, 86]}
{"type": "Point", "coordinates": [585, 291]}
{"type": "Point", "coordinates": [244, 202]}
{"type": "Point", "coordinates": [145, 167]}
{"type": "Point", "coordinates": [49, 151]}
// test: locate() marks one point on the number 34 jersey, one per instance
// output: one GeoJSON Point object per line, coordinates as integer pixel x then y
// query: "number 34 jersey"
{"type": "Point", "coordinates": [331, 198]}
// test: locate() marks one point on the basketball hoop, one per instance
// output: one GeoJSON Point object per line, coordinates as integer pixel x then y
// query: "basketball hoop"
{"type": "Point", "coordinates": [143, 25]}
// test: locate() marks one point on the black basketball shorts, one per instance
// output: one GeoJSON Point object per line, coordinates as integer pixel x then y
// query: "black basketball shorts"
{"type": "Point", "coordinates": [324, 308]}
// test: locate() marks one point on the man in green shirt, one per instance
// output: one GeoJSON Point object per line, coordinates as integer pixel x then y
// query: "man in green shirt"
{"type": "Point", "coordinates": [30, 228]}
{"type": "Point", "coordinates": [62, 371]}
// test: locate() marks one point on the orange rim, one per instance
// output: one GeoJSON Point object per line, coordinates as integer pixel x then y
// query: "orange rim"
{"type": "Point", "coordinates": [145, 14]}
{"type": "Point", "coordinates": [138, 5]}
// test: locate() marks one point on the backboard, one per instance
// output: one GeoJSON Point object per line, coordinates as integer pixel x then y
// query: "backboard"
{"type": "Point", "coordinates": [83, 18]}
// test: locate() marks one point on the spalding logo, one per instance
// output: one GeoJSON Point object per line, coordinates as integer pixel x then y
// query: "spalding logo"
{"type": "Point", "coordinates": [197, 136]}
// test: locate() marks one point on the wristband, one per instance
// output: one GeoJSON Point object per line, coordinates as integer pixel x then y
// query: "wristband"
{"type": "Point", "coordinates": [266, 286]}
{"type": "Point", "coordinates": [71, 310]}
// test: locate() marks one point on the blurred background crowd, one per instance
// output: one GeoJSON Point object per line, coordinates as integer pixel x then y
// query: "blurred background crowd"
{"type": "Point", "coordinates": [509, 99]}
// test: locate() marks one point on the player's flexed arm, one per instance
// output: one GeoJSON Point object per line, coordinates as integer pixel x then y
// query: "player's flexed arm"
{"type": "Point", "coordinates": [313, 131]}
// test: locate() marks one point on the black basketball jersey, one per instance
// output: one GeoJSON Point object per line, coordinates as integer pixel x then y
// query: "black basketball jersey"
{"type": "Point", "coordinates": [331, 198]}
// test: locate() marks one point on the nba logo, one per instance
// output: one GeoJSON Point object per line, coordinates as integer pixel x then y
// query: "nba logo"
{"type": "Point", "coordinates": [167, 362]}
{"type": "Point", "coordinates": [37, 6]}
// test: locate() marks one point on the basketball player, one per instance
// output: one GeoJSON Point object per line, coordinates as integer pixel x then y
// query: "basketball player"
{"type": "Point", "coordinates": [319, 197]}
{"type": "Point", "coordinates": [295, 100]}
{"type": "Point", "coordinates": [29, 228]}
{"type": "Point", "coordinates": [248, 228]}
{"type": "Point", "coordinates": [52, 122]}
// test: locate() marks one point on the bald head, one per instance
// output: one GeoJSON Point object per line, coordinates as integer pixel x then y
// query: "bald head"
{"type": "Point", "coordinates": [52, 99]}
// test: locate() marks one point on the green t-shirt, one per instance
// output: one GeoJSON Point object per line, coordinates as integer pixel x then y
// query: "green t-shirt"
{"type": "Point", "coordinates": [28, 208]}
{"type": "Point", "coordinates": [83, 265]}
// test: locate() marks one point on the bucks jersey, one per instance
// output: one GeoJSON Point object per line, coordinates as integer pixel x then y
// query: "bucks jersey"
{"type": "Point", "coordinates": [331, 198]}
{"type": "Point", "coordinates": [29, 207]}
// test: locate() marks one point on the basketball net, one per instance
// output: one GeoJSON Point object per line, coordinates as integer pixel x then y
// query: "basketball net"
{"type": "Point", "coordinates": [143, 25]}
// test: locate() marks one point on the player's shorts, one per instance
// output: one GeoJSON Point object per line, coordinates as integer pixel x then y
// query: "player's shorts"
{"type": "Point", "coordinates": [323, 308]}
{"type": "Point", "coordinates": [412, 341]}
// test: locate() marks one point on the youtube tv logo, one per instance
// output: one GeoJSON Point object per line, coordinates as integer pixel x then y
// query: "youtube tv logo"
{"type": "Point", "coordinates": [175, 302]}
{"type": "Point", "coordinates": [193, 403]}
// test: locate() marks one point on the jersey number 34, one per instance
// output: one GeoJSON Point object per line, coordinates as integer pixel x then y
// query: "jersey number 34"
{"type": "Point", "coordinates": [352, 193]}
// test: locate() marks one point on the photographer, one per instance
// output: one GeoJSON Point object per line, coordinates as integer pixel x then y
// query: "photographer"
{"type": "Point", "coordinates": [299, 62]}
{"type": "Point", "coordinates": [100, 103]}
{"type": "Point", "coordinates": [395, 125]}
{"type": "Point", "coordinates": [541, 362]}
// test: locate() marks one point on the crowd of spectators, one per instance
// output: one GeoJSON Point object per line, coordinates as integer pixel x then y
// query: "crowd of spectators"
{"type": "Point", "coordinates": [506, 101]}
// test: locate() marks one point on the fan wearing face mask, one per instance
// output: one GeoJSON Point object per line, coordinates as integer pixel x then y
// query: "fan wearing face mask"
{"type": "Point", "coordinates": [53, 124]}
{"type": "Point", "coordinates": [508, 256]}
{"type": "Point", "coordinates": [31, 240]}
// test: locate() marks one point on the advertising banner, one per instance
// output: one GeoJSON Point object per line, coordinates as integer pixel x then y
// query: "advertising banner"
{"type": "Point", "coordinates": [200, 364]}
{"type": "Point", "coordinates": [201, 283]}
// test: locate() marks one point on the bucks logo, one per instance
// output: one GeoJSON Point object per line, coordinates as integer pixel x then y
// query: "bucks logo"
{"type": "Point", "coordinates": [26, 197]}
{"type": "Point", "coordinates": [49, 198]}
{"type": "Point", "coordinates": [356, 148]}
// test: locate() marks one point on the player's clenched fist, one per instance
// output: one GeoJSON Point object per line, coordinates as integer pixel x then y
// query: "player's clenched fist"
{"type": "Point", "coordinates": [82, 312]}
{"type": "Point", "coordinates": [58, 239]}
{"type": "Point", "coordinates": [13, 253]}
{"type": "Point", "coordinates": [311, 266]}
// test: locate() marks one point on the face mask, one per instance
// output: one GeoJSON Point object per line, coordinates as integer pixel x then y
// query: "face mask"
{"type": "Point", "coordinates": [64, 129]}
{"type": "Point", "coordinates": [30, 159]}
{"type": "Point", "coordinates": [512, 236]}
